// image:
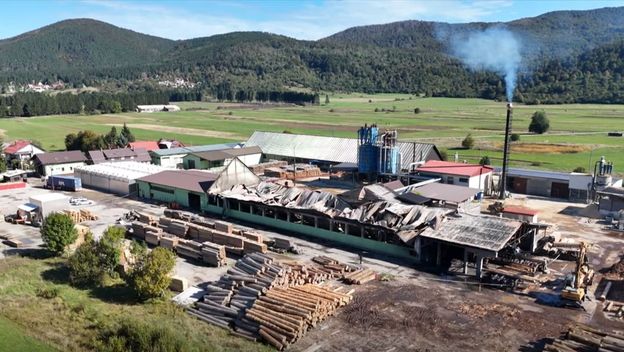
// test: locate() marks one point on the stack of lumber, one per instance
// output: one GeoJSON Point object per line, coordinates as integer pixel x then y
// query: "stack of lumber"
{"type": "Point", "coordinates": [262, 299]}
{"type": "Point", "coordinates": [173, 226]}
{"type": "Point", "coordinates": [359, 277]}
{"type": "Point", "coordinates": [258, 169]}
{"type": "Point", "coordinates": [334, 266]}
{"type": "Point", "coordinates": [523, 266]}
{"type": "Point", "coordinates": [282, 243]}
{"type": "Point", "coordinates": [213, 254]}
{"type": "Point", "coordinates": [585, 338]}
{"type": "Point", "coordinates": [79, 216]}
{"type": "Point", "coordinates": [146, 218]}
{"type": "Point", "coordinates": [140, 229]}
{"type": "Point", "coordinates": [169, 241]}
{"type": "Point", "coordinates": [199, 233]}
{"type": "Point", "coordinates": [153, 237]}
{"type": "Point", "coordinates": [189, 249]}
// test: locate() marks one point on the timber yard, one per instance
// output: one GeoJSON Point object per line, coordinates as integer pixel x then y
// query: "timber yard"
{"type": "Point", "coordinates": [311, 243]}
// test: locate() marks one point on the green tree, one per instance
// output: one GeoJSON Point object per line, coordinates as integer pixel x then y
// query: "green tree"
{"type": "Point", "coordinates": [3, 165]}
{"type": "Point", "coordinates": [111, 138]}
{"type": "Point", "coordinates": [416, 110]}
{"type": "Point", "coordinates": [151, 275]}
{"type": "Point", "coordinates": [580, 169]}
{"type": "Point", "coordinates": [514, 137]}
{"type": "Point", "coordinates": [443, 154]}
{"type": "Point", "coordinates": [57, 232]}
{"type": "Point", "coordinates": [485, 161]}
{"type": "Point", "coordinates": [326, 98]}
{"type": "Point", "coordinates": [539, 123]}
{"type": "Point", "coordinates": [70, 141]}
{"type": "Point", "coordinates": [84, 264]}
{"type": "Point", "coordinates": [109, 248]}
{"type": "Point", "coordinates": [116, 107]}
{"type": "Point", "coordinates": [125, 131]}
{"type": "Point", "coordinates": [468, 142]}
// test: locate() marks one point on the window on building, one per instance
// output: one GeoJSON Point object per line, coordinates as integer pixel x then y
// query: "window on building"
{"type": "Point", "coordinates": [463, 180]}
{"type": "Point", "coordinates": [450, 180]}
{"type": "Point", "coordinates": [62, 169]}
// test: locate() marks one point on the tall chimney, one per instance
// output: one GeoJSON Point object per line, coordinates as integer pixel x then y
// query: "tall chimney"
{"type": "Point", "coordinates": [503, 181]}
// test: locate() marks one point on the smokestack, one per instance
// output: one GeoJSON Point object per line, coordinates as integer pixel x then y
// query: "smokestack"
{"type": "Point", "coordinates": [503, 181]}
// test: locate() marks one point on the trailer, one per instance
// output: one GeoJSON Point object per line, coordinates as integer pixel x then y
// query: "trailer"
{"type": "Point", "coordinates": [47, 203]}
{"type": "Point", "coordinates": [64, 183]}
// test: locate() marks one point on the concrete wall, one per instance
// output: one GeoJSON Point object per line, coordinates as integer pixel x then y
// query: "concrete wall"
{"type": "Point", "coordinates": [60, 169]}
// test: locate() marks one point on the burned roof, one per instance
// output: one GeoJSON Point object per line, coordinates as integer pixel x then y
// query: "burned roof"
{"type": "Point", "coordinates": [71, 156]}
{"type": "Point", "coordinates": [223, 154]}
{"type": "Point", "coordinates": [446, 192]}
{"type": "Point", "coordinates": [189, 180]}
{"type": "Point", "coordinates": [478, 231]}
{"type": "Point", "coordinates": [394, 185]}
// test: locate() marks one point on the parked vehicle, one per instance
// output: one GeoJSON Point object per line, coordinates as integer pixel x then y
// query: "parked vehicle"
{"type": "Point", "coordinates": [76, 201]}
{"type": "Point", "coordinates": [64, 183]}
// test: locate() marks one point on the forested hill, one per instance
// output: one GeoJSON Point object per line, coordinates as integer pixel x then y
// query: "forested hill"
{"type": "Point", "coordinates": [574, 56]}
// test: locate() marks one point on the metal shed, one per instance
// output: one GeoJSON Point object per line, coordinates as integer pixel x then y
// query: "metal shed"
{"type": "Point", "coordinates": [117, 177]}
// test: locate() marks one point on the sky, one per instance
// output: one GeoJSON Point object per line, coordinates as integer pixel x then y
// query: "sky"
{"type": "Point", "coordinates": [301, 19]}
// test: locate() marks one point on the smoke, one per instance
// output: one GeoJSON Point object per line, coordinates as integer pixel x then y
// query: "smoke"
{"type": "Point", "coordinates": [493, 49]}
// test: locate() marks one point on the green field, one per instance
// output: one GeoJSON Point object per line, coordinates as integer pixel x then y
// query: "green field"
{"type": "Point", "coordinates": [72, 318]}
{"type": "Point", "coordinates": [578, 134]}
{"type": "Point", "coordinates": [13, 338]}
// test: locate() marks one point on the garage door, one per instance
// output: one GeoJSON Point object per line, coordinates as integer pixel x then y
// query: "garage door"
{"type": "Point", "coordinates": [559, 190]}
{"type": "Point", "coordinates": [519, 185]}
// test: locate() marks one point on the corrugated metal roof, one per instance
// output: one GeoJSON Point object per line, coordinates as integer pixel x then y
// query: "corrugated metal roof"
{"type": "Point", "coordinates": [223, 154]}
{"type": "Point", "coordinates": [194, 149]}
{"type": "Point", "coordinates": [190, 180]}
{"type": "Point", "coordinates": [446, 192]}
{"type": "Point", "coordinates": [332, 149]}
{"type": "Point", "coordinates": [513, 172]}
{"type": "Point", "coordinates": [479, 231]}
{"type": "Point", "coordinates": [452, 168]}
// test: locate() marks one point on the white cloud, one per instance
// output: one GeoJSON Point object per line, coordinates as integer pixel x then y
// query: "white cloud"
{"type": "Point", "coordinates": [311, 21]}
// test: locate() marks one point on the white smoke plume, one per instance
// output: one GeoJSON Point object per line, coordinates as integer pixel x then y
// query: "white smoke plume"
{"type": "Point", "coordinates": [493, 49]}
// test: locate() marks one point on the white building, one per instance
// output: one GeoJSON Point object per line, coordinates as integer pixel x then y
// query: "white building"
{"type": "Point", "coordinates": [58, 163]}
{"type": "Point", "coordinates": [157, 108]}
{"type": "Point", "coordinates": [115, 177]}
{"type": "Point", "coordinates": [468, 175]}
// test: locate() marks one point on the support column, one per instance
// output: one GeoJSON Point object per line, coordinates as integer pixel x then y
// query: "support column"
{"type": "Point", "coordinates": [239, 206]}
{"type": "Point", "coordinates": [263, 212]}
{"type": "Point", "coordinates": [479, 264]}
{"type": "Point", "coordinates": [465, 261]}
{"type": "Point", "coordinates": [316, 222]}
{"type": "Point", "coordinates": [287, 216]}
{"type": "Point", "coordinates": [417, 249]}
{"type": "Point", "coordinates": [346, 228]}
{"type": "Point", "coordinates": [362, 229]}
{"type": "Point", "coordinates": [331, 225]}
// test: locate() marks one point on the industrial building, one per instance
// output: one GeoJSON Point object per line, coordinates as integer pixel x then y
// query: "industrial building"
{"type": "Point", "coordinates": [571, 186]}
{"type": "Point", "coordinates": [118, 154]}
{"type": "Point", "coordinates": [157, 108]}
{"type": "Point", "coordinates": [58, 163]}
{"type": "Point", "coordinates": [464, 199]}
{"type": "Point", "coordinates": [610, 200]}
{"type": "Point", "coordinates": [466, 175]}
{"type": "Point", "coordinates": [332, 150]}
{"type": "Point", "coordinates": [115, 177]}
{"type": "Point", "coordinates": [190, 188]}
{"type": "Point", "coordinates": [173, 158]}
{"type": "Point", "coordinates": [250, 156]}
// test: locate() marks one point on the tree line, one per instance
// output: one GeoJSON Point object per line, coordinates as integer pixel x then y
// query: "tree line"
{"type": "Point", "coordinates": [88, 140]}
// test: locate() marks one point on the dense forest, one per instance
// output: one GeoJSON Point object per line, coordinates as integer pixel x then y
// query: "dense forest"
{"type": "Point", "coordinates": [569, 56]}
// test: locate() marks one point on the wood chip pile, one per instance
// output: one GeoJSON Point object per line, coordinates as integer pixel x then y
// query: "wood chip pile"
{"type": "Point", "coordinates": [585, 338]}
{"type": "Point", "coordinates": [263, 299]}
{"type": "Point", "coordinates": [81, 215]}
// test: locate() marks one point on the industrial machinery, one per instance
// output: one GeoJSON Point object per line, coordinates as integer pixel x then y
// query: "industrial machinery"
{"type": "Point", "coordinates": [377, 152]}
{"type": "Point", "coordinates": [577, 283]}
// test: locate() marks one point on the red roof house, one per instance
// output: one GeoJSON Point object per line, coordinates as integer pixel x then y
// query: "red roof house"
{"type": "Point", "coordinates": [469, 175]}
{"type": "Point", "coordinates": [147, 145]}
{"type": "Point", "coordinates": [21, 149]}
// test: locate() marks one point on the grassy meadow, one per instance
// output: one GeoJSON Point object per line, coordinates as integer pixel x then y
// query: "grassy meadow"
{"type": "Point", "coordinates": [578, 134]}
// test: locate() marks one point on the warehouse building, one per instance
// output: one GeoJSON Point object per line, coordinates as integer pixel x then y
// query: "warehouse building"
{"type": "Point", "coordinates": [611, 200]}
{"type": "Point", "coordinates": [466, 175]}
{"type": "Point", "coordinates": [58, 163]}
{"type": "Point", "coordinates": [331, 150]}
{"type": "Point", "coordinates": [191, 188]}
{"type": "Point", "coordinates": [115, 177]}
{"type": "Point", "coordinates": [572, 186]}
{"type": "Point", "coordinates": [157, 108]}
{"type": "Point", "coordinates": [250, 156]}
{"type": "Point", "coordinates": [173, 158]}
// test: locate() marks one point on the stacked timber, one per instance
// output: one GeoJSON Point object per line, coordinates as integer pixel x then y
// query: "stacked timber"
{"type": "Point", "coordinates": [223, 226]}
{"type": "Point", "coordinates": [282, 243]}
{"type": "Point", "coordinates": [169, 241]}
{"type": "Point", "coordinates": [334, 267]}
{"type": "Point", "coordinates": [250, 246]}
{"type": "Point", "coordinates": [252, 236]}
{"type": "Point", "coordinates": [585, 338]}
{"type": "Point", "coordinates": [359, 277]}
{"type": "Point", "coordinates": [173, 226]}
{"type": "Point", "coordinates": [147, 218]}
{"type": "Point", "coordinates": [153, 237]}
{"type": "Point", "coordinates": [140, 229]}
{"type": "Point", "coordinates": [79, 216]}
{"type": "Point", "coordinates": [213, 254]}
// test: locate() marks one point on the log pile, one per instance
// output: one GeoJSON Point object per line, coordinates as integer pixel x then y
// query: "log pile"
{"type": "Point", "coordinates": [359, 277]}
{"type": "Point", "coordinates": [262, 299]}
{"type": "Point", "coordinates": [79, 216]}
{"type": "Point", "coordinates": [585, 338]}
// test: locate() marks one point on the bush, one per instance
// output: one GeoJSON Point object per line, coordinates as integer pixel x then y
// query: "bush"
{"type": "Point", "coordinates": [109, 248]}
{"type": "Point", "coordinates": [444, 154]}
{"type": "Point", "coordinates": [47, 292]}
{"type": "Point", "coordinates": [416, 110]}
{"type": "Point", "coordinates": [539, 123]}
{"type": "Point", "coordinates": [580, 169]}
{"type": "Point", "coordinates": [514, 137]}
{"type": "Point", "coordinates": [57, 232]}
{"type": "Point", "coordinates": [84, 264]}
{"type": "Point", "coordinates": [485, 161]}
{"type": "Point", "coordinates": [468, 142]}
{"type": "Point", "coordinates": [151, 278]}
{"type": "Point", "coordinates": [376, 109]}
{"type": "Point", "coordinates": [137, 336]}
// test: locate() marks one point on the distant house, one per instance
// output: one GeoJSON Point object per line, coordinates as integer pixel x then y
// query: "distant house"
{"type": "Point", "coordinates": [250, 156]}
{"type": "Point", "coordinates": [174, 157]}
{"type": "Point", "coordinates": [147, 145]}
{"type": "Point", "coordinates": [467, 175]}
{"type": "Point", "coordinates": [58, 163]}
{"type": "Point", "coordinates": [21, 150]}
{"type": "Point", "coordinates": [119, 154]}
{"type": "Point", "coordinates": [157, 108]}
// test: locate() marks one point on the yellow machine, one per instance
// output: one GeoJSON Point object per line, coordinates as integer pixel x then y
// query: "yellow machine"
{"type": "Point", "coordinates": [577, 284]}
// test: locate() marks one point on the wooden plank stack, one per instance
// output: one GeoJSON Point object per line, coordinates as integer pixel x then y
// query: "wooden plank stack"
{"type": "Point", "coordinates": [585, 338]}
{"type": "Point", "coordinates": [81, 215]}
{"type": "Point", "coordinates": [262, 299]}
{"type": "Point", "coordinates": [140, 229]}
{"type": "Point", "coordinates": [213, 254]}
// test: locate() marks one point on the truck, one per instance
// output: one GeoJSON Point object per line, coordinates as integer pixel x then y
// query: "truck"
{"type": "Point", "coordinates": [64, 183]}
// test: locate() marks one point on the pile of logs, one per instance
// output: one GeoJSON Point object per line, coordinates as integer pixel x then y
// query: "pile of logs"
{"type": "Point", "coordinates": [359, 277]}
{"type": "Point", "coordinates": [79, 216]}
{"type": "Point", "coordinates": [262, 299]}
{"type": "Point", "coordinates": [585, 338]}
